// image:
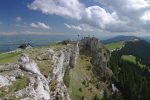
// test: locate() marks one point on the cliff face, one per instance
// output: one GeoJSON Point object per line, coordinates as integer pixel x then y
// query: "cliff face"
{"type": "Point", "coordinates": [67, 57]}
{"type": "Point", "coordinates": [39, 73]}
{"type": "Point", "coordinates": [38, 86]}
{"type": "Point", "coordinates": [93, 43]}
{"type": "Point", "coordinates": [99, 54]}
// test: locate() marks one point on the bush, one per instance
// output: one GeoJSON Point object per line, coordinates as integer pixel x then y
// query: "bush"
{"type": "Point", "coordinates": [53, 85]}
{"type": "Point", "coordinates": [85, 83]}
{"type": "Point", "coordinates": [96, 97]}
{"type": "Point", "coordinates": [90, 89]}
{"type": "Point", "coordinates": [82, 98]}
{"type": "Point", "coordinates": [80, 89]}
{"type": "Point", "coordinates": [89, 67]}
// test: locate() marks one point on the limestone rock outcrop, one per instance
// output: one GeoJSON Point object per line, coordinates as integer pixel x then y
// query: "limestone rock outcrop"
{"type": "Point", "coordinates": [100, 55]}
{"type": "Point", "coordinates": [91, 42]}
{"type": "Point", "coordinates": [67, 57]}
{"type": "Point", "coordinates": [74, 54]}
{"type": "Point", "coordinates": [4, 81]}
{"type": "Point", "coordinates": [38, 86]}
{"type": "Point", "coordinates": [28, 65]}
{"type": "Point", "coordinates": [52, 86]}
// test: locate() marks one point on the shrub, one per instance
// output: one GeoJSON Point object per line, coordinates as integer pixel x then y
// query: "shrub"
{"type": "Point", "coordinates": [96, 97]}
{"type": "Point", "coordinates": [82, 98]}
{"type": "Point", "coordinates": [90, 89]}
{"type": "Point", "coordinates": [53, 85]}
{"type": "Point", "coordinates": [80, 89]}
{"type": "Point", "coordinates": [84, 82]}
{"type": "Point", "coordinates": [88, 67]}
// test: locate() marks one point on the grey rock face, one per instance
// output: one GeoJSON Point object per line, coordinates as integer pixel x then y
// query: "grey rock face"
{"type": "Point", "coordinates": [9, 72]}
{"type": "Point", "coordinates": [114, 88]}
{"type": "Point", "coordinates": [74, 54]}
{"type": "Point", "coordinates": [38, 87]}
{"type": "Point", "coordinates": [97, 50]}
{"type": "Point", "coordinates": [41, 83]}
{"type": "Point", "coordinates": [57, 75]}
{"type": "Point", "coordinates": [4, 81]}
{"type": "Point", "coordinates": [100, 55]}
{"type": "Point", "coordinates": [67, 57]}
{"type": "Point", "coordinates": [93, 43]}
{"type": "Point", "coordinates": [29, 65]}
{"type": "Point", "coordinates": [9, 67]}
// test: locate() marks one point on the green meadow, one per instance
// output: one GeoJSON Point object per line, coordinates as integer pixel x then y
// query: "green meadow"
{"type": "Point", "coordinates": [114, 45]}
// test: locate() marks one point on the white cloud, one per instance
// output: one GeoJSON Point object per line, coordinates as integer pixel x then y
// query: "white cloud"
{"type": "Point", "coordinates": [82, 27]}
{"type": "Point", "coordinates": [69, 8]}
{"type": "Point", "coordinates": [132, 12]}
{"type": "Point", "coordinates": [137, 4]}
{"type": "Point", "coordinates": [93, 15]}
{"type": "Point", "coordinates": [126, 5]}
{"type": "Point", "coordinates": [73, 27]}
{"type": "Point", "coordinates": [100, 17]}
{"type": "Point", "coordinates": [36, 33]}
{"type": "Point", "coordinates": [22, 25]}
{"type": "Point", "coordinates": [88, 28]}
{"type": "Point", "coordinates": [18, 19]}
{"type": "Point", "coordinates": [114, 16]}
{"type": "Point", "coordinates": [40, 25]}
{"type": "Point", "coordinates": [8, 33]}
{"type": "Point", "coordinates": [25, 32]}
{"type": "Point", "coordinates": [31, 32]}
{"type": "Point", "coordinates": [146, 16]}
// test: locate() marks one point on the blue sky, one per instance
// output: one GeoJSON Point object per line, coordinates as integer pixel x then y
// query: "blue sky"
{"type": "Point", "coordinates": [11, 9]}
{"type": "Point", "coordinates": [94, 17]}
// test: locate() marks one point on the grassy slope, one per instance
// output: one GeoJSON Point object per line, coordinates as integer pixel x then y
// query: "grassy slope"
{"type": "Point", "coordinates": [44, 65]}
{"type": "Point", "coordinates": [77, 76]}
{"type": "Point", "coordinates": [42, 52]}
{"type": "Point", "coordinates": [8, 57]}
{"type": "Point", "coordinates": [129, 58]}
{"type": "Point", "coordinates": [132, 59]}
{"type": "Point", "coordinates": [16, 85]}
{"type": "Point", "coordinates": [114, 45]}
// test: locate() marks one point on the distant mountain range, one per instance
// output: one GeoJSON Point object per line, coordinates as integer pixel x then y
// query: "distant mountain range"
{"type": "Point", "coordinates": [147, 39]}
{"type": "Point", "coordinates": [119, 38]}
{"type": "Point", "coordinates": [123, 38]}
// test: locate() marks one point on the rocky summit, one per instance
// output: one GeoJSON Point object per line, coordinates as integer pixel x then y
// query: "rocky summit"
{"type": "Point", "coordinates": [63, 71]}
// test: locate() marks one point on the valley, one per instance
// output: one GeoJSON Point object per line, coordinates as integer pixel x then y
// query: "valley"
{"type": "Point", "coordinates": [73, 70]}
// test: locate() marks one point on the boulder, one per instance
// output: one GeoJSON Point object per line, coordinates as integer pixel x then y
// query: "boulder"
{"type": "Point", "coordinates": [4, 81]}
{"type": "Point", "coordinates": [42, 90]}
{"type": "Point", "coordinates": [28, 65]}
{"type": "Point", "coordinates": [66, 42]}
{"type": "Point", "coordinates": [25, 46]}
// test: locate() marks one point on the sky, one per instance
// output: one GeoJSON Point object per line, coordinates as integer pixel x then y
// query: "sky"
{"type": "Point", "coordinates": [63, 17]}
